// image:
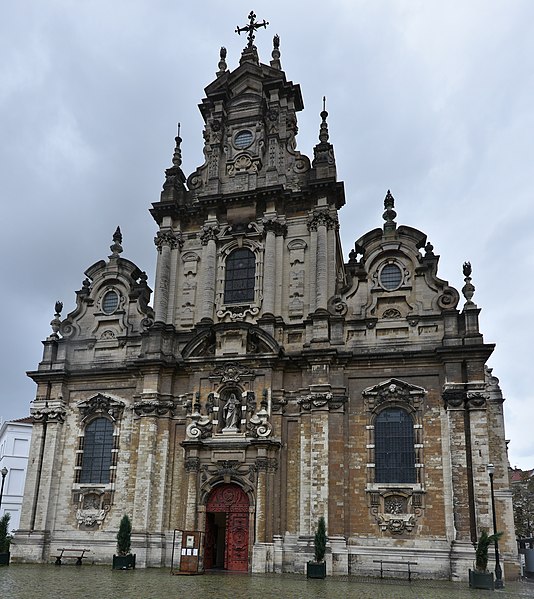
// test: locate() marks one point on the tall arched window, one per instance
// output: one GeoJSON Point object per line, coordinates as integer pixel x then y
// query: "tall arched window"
{"type": "Point", "coordinates": [97, 455]}
{"type": "Point", "coordinates": [394, 447]}
{"type": "Point", "coordinates": [240, 276]}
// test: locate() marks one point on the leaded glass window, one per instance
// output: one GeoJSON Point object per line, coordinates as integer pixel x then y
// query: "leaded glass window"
{"type": "Point", "coordinates": [394, 447]}
{"type": "Point", "coordinates": [240, 277]}
{"type": "Point", "coordinates": [391, 277]}
{"type": "Point", "coordinates": [97, 446]}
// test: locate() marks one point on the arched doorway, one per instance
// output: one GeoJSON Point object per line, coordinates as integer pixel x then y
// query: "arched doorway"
{"type": "Point", "coordinates": [227, 529]}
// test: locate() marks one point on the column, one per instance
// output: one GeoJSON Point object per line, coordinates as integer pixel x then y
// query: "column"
{"type": "Point", "coordinates": [192, 466]}
{"type": "Point", "coordinates": [165, 241]}
{"type": "Point", "coordinates": [209, 264]}
{"type": "Point", "coordinates": [462, 548]}
{"type": "Point", "coordinates": [261, 465]}
{"type": "Point", "coordinates": [269, 269]}
{"type": "Point", "coordinates": [322, 268]}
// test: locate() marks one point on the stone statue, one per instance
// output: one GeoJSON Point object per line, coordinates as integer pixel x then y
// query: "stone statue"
{"type": "Point", "coordinates": [231, 412]}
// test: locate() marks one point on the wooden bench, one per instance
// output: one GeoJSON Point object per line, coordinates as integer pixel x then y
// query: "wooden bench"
{"type": "Point", "coordinates": [395, 569]}
{"type": "Point", "coordinates": [77, 554]}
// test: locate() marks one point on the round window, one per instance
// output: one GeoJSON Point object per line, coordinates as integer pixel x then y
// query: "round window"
{"type": "Point", "coordinates": [390, 277]}
{"type": "Point", "coordinates": [243, 139]}
{"type": "Point", "coordinates": [110, 302]}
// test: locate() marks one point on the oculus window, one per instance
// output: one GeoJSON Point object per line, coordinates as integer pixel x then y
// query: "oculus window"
{"type": "Point", "coordinates": [240, 277]}
{"type": "Point", "coordinates": [390, 277]}
{"type": "Point", "coordinates": [97, 446]}
{"type": "Point", "coordinates": [243, 139]}
{"type": "Point", "coordinates": [394, 447]}
{"type": "Point", "coordinates": [110, 302]}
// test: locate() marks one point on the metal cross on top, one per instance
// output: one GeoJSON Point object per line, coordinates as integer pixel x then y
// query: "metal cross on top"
{"type": "Point", "coordinates": [251, 28]}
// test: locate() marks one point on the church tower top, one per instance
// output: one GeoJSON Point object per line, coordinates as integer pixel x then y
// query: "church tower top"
{"type": "Point", "coordinates": [250, 117]}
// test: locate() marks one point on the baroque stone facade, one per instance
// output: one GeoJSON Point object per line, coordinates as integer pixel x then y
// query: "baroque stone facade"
{"type": "Point", "coordinates": [270, 382]}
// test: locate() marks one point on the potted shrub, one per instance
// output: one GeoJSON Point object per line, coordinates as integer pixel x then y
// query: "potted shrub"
{"type": "Point", "coordinates": [480, 578]}
{"type": "Point", "coordinates": [124, 560]}
{"type": "Point", "coordinates": [5, 539]}
{"type": "Point", "coordinates": [317, 568]}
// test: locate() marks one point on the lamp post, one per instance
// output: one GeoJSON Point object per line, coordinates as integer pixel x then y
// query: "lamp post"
{"type": "Point", "coordinates": [498, 571]}
{"type": "Point", "coordinates": [4, 472]}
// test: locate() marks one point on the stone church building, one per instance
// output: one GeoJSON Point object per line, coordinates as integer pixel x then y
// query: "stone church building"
{"type": "Point", "coordinates": [269, 381]}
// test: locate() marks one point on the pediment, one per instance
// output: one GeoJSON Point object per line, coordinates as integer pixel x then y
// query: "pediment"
{"type": "Point", "coordinates": [394, 391]}
{"type": "Point", "coordinates": [101, 404]}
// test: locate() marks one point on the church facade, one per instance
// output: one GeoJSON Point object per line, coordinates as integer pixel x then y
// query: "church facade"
{"type": "Point", "coordinates": [270, 382]}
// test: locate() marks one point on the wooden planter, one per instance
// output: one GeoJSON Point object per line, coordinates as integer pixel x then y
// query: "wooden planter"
{"type": "Point", "coordinates": [124, 562]}
{"type": "Point", "coordinates": [4, 559]}
{"type": "Point", "coordinates": [481, 580]}
{"type": "Point", "coordinates": [316, 570]}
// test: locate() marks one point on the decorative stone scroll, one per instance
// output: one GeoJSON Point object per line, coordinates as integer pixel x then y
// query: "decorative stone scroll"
{"type": "Point", "coordinates": [315, 401]}
{"type": "Point", "coordinates": [48, 414]}
{"type": "Point", "coordinates": [229, 469]}
{"type": "Point", "coordinates": [94, 505]}
{"type": "Point", "coordinates": [396, 511]}
{"type": "Point", "coordinates": [232, 372]}
{"type": "Point", "coordinates": [238, 313]}
{"type": "Point", "coordinates": [152, 407]}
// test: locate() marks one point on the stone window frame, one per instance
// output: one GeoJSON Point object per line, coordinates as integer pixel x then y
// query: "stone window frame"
{"type": "Point", "coordinates": [98, 406]}
{"type": "Point", "coordinates": [408, 423]}
{"type": "Point", "coordinates": [405, 275]}
{"type": "Point", "coordinates": [395, 506]}
{"type": "Point", "coordinates": [102, 292]}
{"type": "Point", "coordinates": [239, 310]}
{"type": "Point", "coordinates": [231, 263]}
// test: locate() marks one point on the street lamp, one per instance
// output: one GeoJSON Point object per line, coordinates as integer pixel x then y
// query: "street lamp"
{"type": "Point", "coordinates": [498, 571]}
{"type": "Point", "coordinates": [4, 472]}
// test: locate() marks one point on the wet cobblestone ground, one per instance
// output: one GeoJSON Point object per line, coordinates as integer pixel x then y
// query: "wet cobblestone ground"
{"type": "Point", "coordinates": [19, 581]}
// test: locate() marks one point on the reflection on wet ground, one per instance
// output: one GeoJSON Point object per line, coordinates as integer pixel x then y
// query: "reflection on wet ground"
{"type": "Point", "coordinates": [22, 581]}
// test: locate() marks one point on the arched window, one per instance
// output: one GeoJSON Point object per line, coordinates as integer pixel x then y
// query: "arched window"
{"type": "Point", "coordinates": [394, 447]}
{"type": "Point", "coordinates": [240, 276]}
{"type": "Point", "coordinates": [97, 454]}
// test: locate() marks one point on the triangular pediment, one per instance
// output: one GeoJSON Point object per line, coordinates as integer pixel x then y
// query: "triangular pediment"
{"type": "Point", "coordinates": [394, 387]}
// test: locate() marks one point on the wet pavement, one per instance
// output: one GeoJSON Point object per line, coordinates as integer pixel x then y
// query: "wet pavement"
{"type": "Point", "coordinates": [21, 581]}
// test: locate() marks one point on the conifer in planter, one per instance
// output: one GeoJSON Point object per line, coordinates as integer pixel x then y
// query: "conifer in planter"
{"type": "Point", "coordinates": [125, 560]}
{"type": "Point", "coordinates": [480, 578]}
{"type": "Point", "coordinates": [5, 539]}
{"type": "Point", "coordinates": [317, 568]}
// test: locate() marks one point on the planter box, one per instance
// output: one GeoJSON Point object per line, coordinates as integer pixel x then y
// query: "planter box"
{"type": "Point", "coordinates": [316, 570]}
{"type": "Point", "coordinates": [124, 562]}
{"type": "Point", "coordinates": [481, 580]}
{"type": "Point", "coordinates": [4, 559]}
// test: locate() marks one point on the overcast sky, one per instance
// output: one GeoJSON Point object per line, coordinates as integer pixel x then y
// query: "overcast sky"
{"type": "Point", "coordinates": [433, 100]}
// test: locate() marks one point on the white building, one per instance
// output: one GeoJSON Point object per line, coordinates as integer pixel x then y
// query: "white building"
{"type": "Point", "coordinates": [15, 436]}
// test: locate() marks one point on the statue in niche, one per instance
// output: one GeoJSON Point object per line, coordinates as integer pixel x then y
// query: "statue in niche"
{"type": "Point", "coordinates": [232, 413]}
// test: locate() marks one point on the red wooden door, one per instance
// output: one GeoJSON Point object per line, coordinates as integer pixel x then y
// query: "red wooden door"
{"type": "Point", "coordinates": [209, 550]}
{"type": "Point", "coordinates": [237, 541]}
{"type": "Point", "coordinates": [233, 501]}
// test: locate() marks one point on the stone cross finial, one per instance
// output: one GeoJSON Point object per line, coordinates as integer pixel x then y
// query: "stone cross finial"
{"type": "Point", "coordinates": [251, 28]}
